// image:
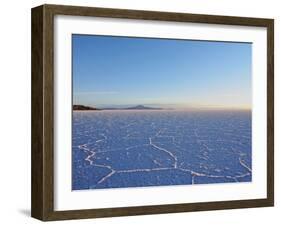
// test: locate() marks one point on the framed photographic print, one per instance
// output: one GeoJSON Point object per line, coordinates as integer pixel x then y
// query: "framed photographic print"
{"type": "Point", "coordinates": [141, 112]}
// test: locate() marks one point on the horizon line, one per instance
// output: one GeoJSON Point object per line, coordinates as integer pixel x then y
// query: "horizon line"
{"type": "Point", "coordinates": [124, 106]}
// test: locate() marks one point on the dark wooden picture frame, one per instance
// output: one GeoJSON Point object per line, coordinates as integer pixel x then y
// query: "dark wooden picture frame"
{"type": "Point", "coordinates": [42, 203]}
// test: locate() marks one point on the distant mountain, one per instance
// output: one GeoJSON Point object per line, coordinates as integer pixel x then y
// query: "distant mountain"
{"type": "Point", "coordinates": [141, 107]}
{"type": "Point", "coordinates": [137, 107]}
{"type": "Point", "coordinates": [83, 108]}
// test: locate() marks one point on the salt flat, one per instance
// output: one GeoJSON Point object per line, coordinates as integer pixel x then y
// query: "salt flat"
{"type": "Point", "coordinates": [137, 148]}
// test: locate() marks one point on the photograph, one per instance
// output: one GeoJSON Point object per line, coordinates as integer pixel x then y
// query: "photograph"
{"type": "Point", "coordinates": [158, 112]}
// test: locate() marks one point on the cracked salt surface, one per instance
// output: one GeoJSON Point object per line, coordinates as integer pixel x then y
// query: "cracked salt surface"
{"type": "Point", "coordinates": [116, 149]}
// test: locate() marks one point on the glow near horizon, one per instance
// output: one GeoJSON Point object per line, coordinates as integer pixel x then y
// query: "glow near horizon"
{"type": "Point", "coordinates": [122, 71]}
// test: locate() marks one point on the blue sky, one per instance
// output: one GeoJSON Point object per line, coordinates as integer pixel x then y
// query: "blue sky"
{"type": "Point", "coordinates": [122, 71]}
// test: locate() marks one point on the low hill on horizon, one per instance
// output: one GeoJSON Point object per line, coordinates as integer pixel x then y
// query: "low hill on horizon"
{"type": "Point", "coordinates": [83, 108]}
{"type": "Point", "coordinates": [142, 107]}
